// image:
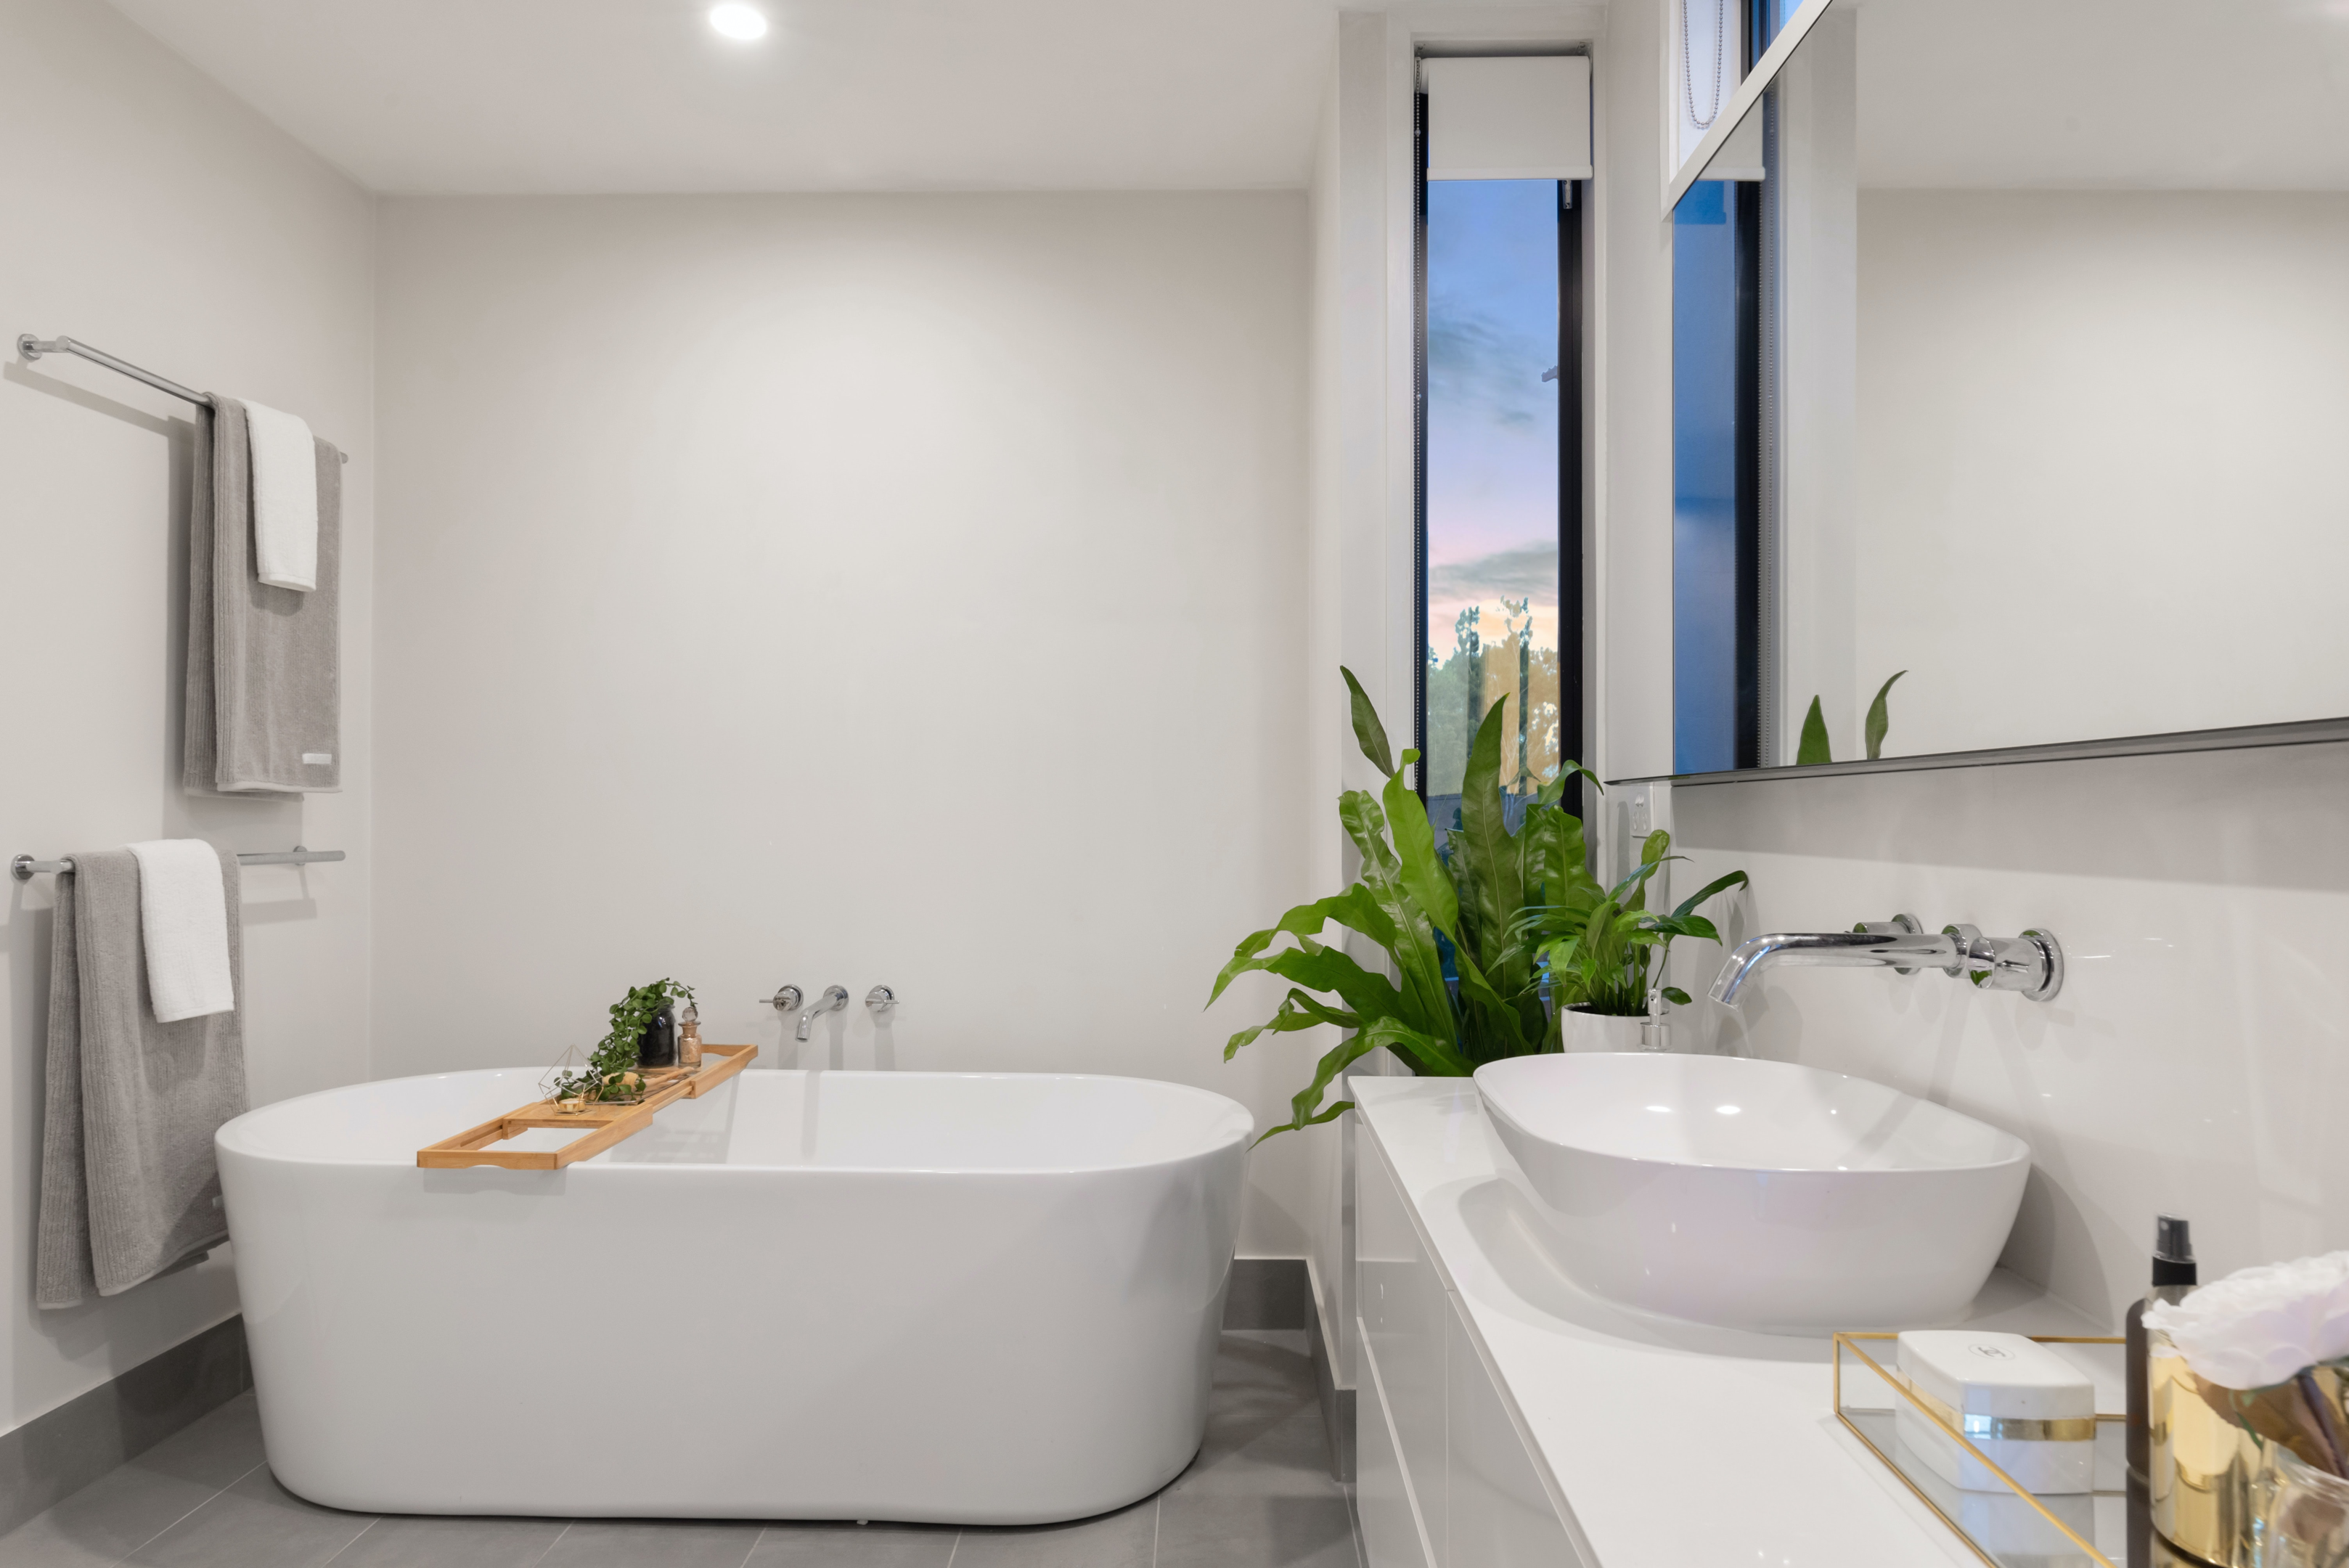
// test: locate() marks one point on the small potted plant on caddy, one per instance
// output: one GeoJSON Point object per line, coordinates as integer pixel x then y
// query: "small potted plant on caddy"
{"type": "Point", "coordinates": [1491, 940]}
{"type": "Point", "coordinates": [643, 1034]}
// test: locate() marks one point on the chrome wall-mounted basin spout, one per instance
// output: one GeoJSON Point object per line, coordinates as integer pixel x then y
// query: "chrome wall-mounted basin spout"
{"type": "Point", "coordinates": [2032, 963]}
{"type": "Point", "coordinates": [834, 998]}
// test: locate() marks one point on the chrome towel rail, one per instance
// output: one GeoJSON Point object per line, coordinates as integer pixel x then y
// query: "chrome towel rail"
{"type": "Point", "coordinates": [33, 348]}
{"type": "Point", "coordinates": [25, 868]}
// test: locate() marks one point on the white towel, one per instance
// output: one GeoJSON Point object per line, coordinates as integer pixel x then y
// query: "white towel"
{"type": "Point", "coordinates": [284, 499]}
{"type": "Point", "coordinates": [183, 921]}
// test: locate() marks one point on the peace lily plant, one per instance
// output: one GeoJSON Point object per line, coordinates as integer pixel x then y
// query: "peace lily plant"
{"type": "Point", "coordinates": [1488, 941]}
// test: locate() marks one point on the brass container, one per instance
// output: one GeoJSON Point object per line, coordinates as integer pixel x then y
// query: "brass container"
{"type": "Point", "coordinates": [2203, 1466]}
{"type": "Point", "coordinates": [2211, 1480]}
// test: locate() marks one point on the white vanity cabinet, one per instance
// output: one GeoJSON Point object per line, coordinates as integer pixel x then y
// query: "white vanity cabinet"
{"type": "Point", "coordinates": [1444, 1476]}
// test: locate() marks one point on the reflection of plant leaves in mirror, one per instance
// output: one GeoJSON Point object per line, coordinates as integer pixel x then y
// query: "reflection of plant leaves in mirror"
{"type": "Point", "coordinates": [1879, 717]}
{"type": "Point", "coordinates": [1812, 750]}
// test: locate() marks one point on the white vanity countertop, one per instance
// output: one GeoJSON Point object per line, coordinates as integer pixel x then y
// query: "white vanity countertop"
{"type": "Point", "coordinates": [1673, 1445]}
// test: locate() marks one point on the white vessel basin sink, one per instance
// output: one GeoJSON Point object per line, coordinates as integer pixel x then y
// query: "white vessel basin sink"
{"type": "Point", "coordinates": [1757, 1194]}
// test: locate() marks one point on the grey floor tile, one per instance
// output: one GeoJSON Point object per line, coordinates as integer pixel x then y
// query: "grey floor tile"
{"type": "Point", "coordinates": [1127, 1539]}
{"type": "Point", "coordinates": [652, 1543]}
{"type": "Point", "coordinates": [105, 1520]}
{"type": "Point", "coordinates": [1288, 1456]}
{"type": "Point", "coordinates": [854, 1546]}
{"type": "Point", "coordinates": [1215, 1530]}
{"type": "Point", "coordinates": [40, 1542]}
{"type": "Point", "coordinates": [403, 1541]}
{"type": "Point", "coordinates": [256, 1523]}
{"type": "Point", "coordinates": [218, 1450]}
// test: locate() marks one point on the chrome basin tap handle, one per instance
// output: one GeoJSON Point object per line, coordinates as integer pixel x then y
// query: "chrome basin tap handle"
{"type": "Point", "coordinates": [785, 999]}
{"type": "Point", "coordinates": [880, 1000]}
{"type": "Point", "coordinates": [2032, 963]}
{"type": "Point", "coordinates": [834, 998]}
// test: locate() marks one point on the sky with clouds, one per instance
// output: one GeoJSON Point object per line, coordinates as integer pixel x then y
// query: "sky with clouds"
{"type": "Point", "coordinates": [1492, 421]}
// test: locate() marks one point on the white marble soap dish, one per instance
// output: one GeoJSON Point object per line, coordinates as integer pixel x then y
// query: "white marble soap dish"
{"type": "Point", "coordinates": [1998, 1434]}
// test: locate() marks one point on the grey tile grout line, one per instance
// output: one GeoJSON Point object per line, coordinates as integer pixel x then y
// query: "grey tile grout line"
{"type": "Point", "coordinates": [746, 1556]}
{"type": "Point", "coordinates": [565, 1531]}
{"type": "Point", "coordinates": [355, 1539]}
{"type": "Point", "coordinates": [182, 1518]}
{"type": "Point", "coordinates": [954, 1548]}
{"type": "Point", "coordinates": [1157, 1513]}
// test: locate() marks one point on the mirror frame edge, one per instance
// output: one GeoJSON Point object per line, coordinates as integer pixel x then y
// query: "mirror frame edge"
{"type": "Point", "coordinates": [2242, 737]}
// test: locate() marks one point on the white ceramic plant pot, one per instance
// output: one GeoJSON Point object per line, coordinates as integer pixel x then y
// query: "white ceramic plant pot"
{"type": "Point", "coordinates": [1581, 1031]}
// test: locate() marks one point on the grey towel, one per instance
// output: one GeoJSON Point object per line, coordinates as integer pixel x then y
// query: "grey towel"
{"type": "Point", "coordinates": [265, 664]}
{"type": "Point", "coordinates": [130, 1188]}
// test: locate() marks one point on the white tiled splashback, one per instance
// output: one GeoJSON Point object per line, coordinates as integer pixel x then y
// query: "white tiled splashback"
{"type": "Point", "coordinates": [2193, 1064]}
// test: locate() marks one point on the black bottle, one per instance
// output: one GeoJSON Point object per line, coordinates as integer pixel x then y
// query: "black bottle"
{"type": "Point", "coordinates": [657, 1046]}
{"type": "Point", "coordinates": [2173, 1276]}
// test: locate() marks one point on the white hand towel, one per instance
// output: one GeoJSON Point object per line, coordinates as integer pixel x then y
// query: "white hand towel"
{"type": "Point", "coordinates": [284, 499]}
{"type": "Point", "coordinates": [183, 923]}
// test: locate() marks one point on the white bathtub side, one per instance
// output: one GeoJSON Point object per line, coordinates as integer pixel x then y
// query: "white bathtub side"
{"type": "Point", "coordinates": [658, 1339]}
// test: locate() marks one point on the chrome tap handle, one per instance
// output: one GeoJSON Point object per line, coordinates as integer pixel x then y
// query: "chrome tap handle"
{"type": "Point", "coordinates": [2032, 963]}
{"type": "Point", "coordinates": [880, 1000]}
{"type": "Point", "coordinates": [785, 999]}
{"type": "Point", "coordinates": [1898, 926]}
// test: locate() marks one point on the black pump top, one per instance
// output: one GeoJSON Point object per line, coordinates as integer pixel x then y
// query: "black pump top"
{"type": "Point", "coordinates": [2173, 1252]}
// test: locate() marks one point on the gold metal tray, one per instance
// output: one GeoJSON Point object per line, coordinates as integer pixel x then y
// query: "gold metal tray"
{"type": "Point", "coordinates": [2015, 1528]}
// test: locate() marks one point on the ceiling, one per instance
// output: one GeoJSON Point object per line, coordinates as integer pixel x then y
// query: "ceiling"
{"type": "Point", "coordinates": [642, 96]}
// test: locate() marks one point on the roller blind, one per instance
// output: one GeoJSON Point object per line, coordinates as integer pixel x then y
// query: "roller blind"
{"type": "Point", "coordinates": [1524, 116]}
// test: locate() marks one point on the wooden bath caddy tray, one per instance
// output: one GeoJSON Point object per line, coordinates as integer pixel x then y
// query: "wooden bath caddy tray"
{"type": "Point", "coordinates": [599, 1126]}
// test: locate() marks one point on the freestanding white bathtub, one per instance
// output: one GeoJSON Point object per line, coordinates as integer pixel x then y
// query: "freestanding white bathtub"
{"type": "Point", "coordinates": [967, 1298]}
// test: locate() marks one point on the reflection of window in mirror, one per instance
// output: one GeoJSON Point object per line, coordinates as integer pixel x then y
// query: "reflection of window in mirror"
{"type": "Point", "coordinates": [1715, 44]}
{"type": "Point", "coordinates": [1716, 477]}
{"type": "Point", "coordinates": [1500, 455]}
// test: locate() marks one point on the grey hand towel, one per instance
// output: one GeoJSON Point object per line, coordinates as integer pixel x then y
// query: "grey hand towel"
{"type": "Point", "coordinates": [265, 664]}
{"type": "Point", "coordinates": [130, 1187]}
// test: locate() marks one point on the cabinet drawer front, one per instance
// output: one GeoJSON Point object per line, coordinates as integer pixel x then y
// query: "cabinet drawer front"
{"type": "Point", "coordinates": [1403, 1310]}
{"type": "Point", "coordinates": [1499, 1512]}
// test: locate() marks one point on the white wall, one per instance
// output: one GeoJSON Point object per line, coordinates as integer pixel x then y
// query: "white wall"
{"type": "Point", "coordinates": [2096, 461]}
{"type": "Point", "coordinates": [154, 216]}
{"type": "Point", "coordinates": [846, 590]}
{"type": "Point", "coordinates": [2194, 1059]}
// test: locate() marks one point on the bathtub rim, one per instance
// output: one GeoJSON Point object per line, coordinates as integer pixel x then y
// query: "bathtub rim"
{"type": "Point", "coordinates": [222, 1143]}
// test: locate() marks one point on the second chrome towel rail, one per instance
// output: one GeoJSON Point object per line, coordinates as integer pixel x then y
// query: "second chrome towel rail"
{"type": "Point", "coordinates": [25, 868]}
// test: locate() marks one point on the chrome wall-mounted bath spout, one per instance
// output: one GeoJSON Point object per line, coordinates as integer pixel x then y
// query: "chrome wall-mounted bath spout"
{"type": "Point", "coordinates": [834, 998]}
{"type": "Point", "coordinates": [2032, 963]}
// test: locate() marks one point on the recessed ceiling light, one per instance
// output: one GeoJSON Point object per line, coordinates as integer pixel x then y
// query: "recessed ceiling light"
{"type": "Point", "coordinates": [743, 23]}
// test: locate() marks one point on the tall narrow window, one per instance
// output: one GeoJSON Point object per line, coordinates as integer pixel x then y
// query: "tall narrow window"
{"type": "Point", "coordinates": [1500, 438]}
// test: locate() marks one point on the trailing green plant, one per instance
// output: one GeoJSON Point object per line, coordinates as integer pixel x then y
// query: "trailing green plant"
{"type": "Point", "coordinates": [613, 1061]}
{"type": "Point", "coordinates": [1812, 749]}
{"type": "Point", "coordinates": [1487, 939]}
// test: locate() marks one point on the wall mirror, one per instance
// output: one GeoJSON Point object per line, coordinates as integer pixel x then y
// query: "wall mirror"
{"type": "Point", "coordinates": [2011, 366]}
